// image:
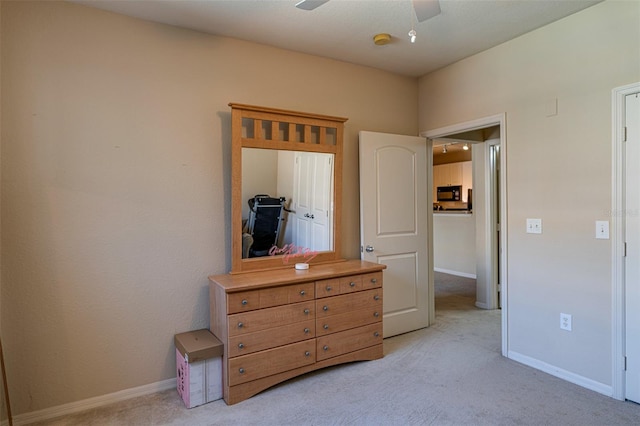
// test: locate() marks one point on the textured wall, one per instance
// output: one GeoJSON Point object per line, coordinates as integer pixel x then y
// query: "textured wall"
{"type": "Point", "coordinates": [116, 184]}
{"type": "Point", "coordinates": [558, 169]}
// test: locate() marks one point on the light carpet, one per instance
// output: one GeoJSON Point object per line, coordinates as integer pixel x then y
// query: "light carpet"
{"type": "Point", "coordinates": [451, 373]}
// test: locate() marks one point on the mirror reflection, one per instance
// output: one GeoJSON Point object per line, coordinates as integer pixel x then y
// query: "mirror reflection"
{"type": "Point", "coordinates": [288, 201]}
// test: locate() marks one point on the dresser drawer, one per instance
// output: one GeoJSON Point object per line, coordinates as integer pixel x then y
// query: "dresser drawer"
{"type": "Point", "coordinates": [249, 322]}
{"type": "Point", "coordinates": [252, 342]}
{"type": "Point", "coordinates": [267, 297]}
{"type": "Point", "coordinates": [347, 320]}
{"type": "Point", "coordinates": [348, 341]}
{"type": "Point", "coordinates": [273, 361]}
{"type": "Point", "coordinates": [326, 288]}
{"type": "Point", "coordinates": [373, 280]}
{"type": "Point", "coordinates": [350, 284]}
{"type": "Point", "coordinates": [349, 302]}
{"type": "Point", "coordinates": [336, 286]}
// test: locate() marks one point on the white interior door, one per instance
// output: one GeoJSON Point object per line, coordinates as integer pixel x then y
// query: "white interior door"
{"type": "Point", "coordinates": [393, 221]}
{"type": "Point", "coordinates": [313, 186]}
{"type": "Point", "coordinates": [632, 239]}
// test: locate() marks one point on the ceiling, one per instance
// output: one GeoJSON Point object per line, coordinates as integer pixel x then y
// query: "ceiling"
{"type": "Point", "coordinates": [344, 29]}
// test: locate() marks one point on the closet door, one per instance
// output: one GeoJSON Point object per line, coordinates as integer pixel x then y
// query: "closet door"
{"type": "Point", "coordinates": [312, 203]}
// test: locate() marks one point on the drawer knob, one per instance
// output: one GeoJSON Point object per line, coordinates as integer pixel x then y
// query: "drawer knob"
{"type": "Point", "coordinates": [306, 331]}
{"type": "Point", "coordinates": [374, 280]}
{"type": "Point", "coordinates": [376, 297]}
{"type": "Point", "coordinates": [241, 370]}
{"type": "Point", "coordinates": [302, 292]}
{"type": "Point", "coordinates": [240, 345]}
{"type": "Point", "coordinates": [244, 301]}
{"type": "Point", "coordinates": [326, 326]}
{"type": "Point", "coordinates": [240, 325]}
{"type": "Point", "coordinates": [352, 284]}
{"type": "Point", "coordinates": [325, 348]}
{"type": "Point", "coordinates": [375, 314]}
{"type": "Point", "coordinates": [306, 311]}
{"type": "Point", "coordinates": [376, 334]}
{"type": "Point", "coordinates": [328, 288]}
{"type": "Point", "coordinates": [307, 353]}
{"type": "Point", "coordinates": [325, 308]}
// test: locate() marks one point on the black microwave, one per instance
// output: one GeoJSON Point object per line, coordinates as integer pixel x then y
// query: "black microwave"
{"type": "Point", "coordinates": [449, 193]}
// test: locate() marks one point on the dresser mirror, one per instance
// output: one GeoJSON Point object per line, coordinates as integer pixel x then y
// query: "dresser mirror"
{"type": "Point", "coordinates": [286, 188]}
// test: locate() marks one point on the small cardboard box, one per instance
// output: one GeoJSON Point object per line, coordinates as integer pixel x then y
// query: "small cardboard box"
{"type": "Point", "coordinates": [199, 367]}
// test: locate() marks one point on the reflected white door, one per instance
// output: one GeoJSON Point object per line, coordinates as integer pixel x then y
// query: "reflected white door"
{"type": "Point", "coordinates": [632, 238]}
{"type": "Point", "coordinates": [393, 221]}
{"type": "Point", "coordinates": [313, 186]}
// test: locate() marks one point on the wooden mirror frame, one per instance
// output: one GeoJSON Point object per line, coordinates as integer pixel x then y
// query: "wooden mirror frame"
{"type": "Point", "coordinates": [305, 132]}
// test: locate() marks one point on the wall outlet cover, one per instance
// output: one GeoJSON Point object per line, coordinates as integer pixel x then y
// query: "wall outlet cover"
{"type": "Point", "coordinates": [565, 322]}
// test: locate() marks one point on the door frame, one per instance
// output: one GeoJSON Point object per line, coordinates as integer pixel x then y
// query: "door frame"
{"type": "Point", "coordinates": [617, 238]}
{"type": "Point", "coordinates": [480, 123]}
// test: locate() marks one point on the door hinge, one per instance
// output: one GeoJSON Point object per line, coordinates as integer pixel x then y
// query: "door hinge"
{"type": "Point", "coordinates": [625, 363]}
{"type": "Point", "coordinates": [624, 251]}
{"type": "Point", "coordinates": [624, 136]}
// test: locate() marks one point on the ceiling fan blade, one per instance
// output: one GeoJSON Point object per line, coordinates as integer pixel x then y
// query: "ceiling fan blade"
{"type": "Point", "coordinates": [426, 9]}
{"type": "Point", "coordinates": [310, 4]}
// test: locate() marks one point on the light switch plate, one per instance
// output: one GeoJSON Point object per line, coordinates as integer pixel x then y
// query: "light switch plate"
{"type": "Point", "coordinates": [534, 226]}
{"type": "Point", "coordinates": [602, 229]}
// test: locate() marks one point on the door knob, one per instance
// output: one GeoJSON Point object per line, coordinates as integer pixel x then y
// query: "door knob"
{"type": "Point", "coordinates": [369, 249]}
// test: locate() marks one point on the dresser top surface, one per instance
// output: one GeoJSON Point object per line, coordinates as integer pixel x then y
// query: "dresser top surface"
{"type": "Point", "coordinates": [232, 283]}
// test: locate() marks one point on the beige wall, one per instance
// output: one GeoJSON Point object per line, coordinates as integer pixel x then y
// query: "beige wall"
{"type": "Point", "coordinates": [116, 184]}
{"type": "Point", "coordinates": [558, 169]}
{"type": "Point", "coordinates": [454, 243]}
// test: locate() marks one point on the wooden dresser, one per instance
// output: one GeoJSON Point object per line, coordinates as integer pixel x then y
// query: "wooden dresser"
{"type": "Point", "coordinates": [279, 324]}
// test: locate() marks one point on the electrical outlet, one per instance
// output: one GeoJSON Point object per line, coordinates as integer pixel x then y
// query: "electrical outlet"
{"type": "Point", "coordinates": [565, 322]}
{"type": "Point", "coordinates": [534, 226]}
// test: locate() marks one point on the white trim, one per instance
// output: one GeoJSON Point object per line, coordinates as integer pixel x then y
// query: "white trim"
{"type": "Point", "coordinates": [499, 120]}
{"type": "Point", "coordinates": [456, 273]}
{"type": "Point", "coordinates": [562, 374]}
{"type": "Point", "coordinates": [98, 401]}
{"type": "Point", "coordinates": [431, 293]}
{"type": "Point", "coordinates": [617, 238]}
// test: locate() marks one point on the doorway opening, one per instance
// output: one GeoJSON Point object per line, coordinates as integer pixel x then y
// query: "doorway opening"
{"type": "Point", "coordinates": [487, 217]}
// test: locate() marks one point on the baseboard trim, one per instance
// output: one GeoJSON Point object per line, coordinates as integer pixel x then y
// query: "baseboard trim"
{"type": "Point", "coordinates": [98, 401]}
{"type": "Point", "coordinates": [456, 273]}
{"type": "Point", "coordinates": [576, 379]}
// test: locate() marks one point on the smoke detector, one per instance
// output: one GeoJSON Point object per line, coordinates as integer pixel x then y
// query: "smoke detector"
{"type": "Point", "coordinates": [381, 39]}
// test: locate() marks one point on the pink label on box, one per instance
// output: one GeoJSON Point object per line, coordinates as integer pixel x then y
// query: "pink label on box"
{"type": "Point", "coordinates": [183, 378]}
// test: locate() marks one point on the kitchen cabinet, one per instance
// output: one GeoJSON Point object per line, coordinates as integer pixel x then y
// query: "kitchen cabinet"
{"type": "Point", "coordinates": [453, 174]}
{"type": "Point", "coordinates": [467, 179]}
{"type": "Point", "coordinates": [448, 174]}
{"type": "Point", "coordinates": [279, 324]}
